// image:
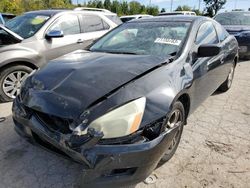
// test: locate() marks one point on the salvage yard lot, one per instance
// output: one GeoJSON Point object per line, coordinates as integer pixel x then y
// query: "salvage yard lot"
{"type": "Point", "coordinates": [214, 150]}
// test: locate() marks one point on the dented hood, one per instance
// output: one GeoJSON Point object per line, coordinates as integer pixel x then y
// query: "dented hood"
{"type": "Point", "coordinates": [67, 86]}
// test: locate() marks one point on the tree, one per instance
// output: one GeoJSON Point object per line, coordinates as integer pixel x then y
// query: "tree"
{"type": "Point", "coordinates": [213, 6]}
{"type": "Point", "coordinates": [134, 7]}
{"type": "Point", "coordinates": [124, 8]}
{"type": "Point", "coordinates": [107, 4]}
{"type": "Point", "coordinates": [163, 10]}
{"type": "Point", "coordinates": [183, 8]}
{"type": "Point", "coordinates": [152, 10]}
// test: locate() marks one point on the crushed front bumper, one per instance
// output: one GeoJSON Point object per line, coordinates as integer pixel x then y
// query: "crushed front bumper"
{"type": "Point", "coordinates": [104, 165]}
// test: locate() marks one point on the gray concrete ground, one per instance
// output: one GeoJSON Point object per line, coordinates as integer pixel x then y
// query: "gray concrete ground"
{"type": "Point", "coordinates": [214, 150]}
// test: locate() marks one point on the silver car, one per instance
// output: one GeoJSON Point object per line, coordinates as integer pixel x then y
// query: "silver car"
{"type": "Point", "coordinates": [28, 41]}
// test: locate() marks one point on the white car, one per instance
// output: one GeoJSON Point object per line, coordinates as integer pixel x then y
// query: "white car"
{"type": "Point", "coordinates": [131, 17]}
{"type": "Point", "coordinates": [111, 18]}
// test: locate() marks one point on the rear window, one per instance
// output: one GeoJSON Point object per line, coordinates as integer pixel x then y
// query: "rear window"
{"type": "Point", "coordinates": [233, 18]}
{"type": "Point", "coordinates": [114, 18]}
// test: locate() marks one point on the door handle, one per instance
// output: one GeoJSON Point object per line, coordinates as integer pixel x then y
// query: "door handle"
{"type": "Point", "coordinates": [80, 41]}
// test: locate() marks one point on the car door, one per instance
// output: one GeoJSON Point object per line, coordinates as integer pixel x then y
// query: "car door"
{"type": "Point", "coordinates": [93, 27]}
{"type": "Point", "coordinates": [206, 70]}
{"type": "Point", "coordinates": [227, 47]}
{"type": "Point", "coordinates": [71, 41]}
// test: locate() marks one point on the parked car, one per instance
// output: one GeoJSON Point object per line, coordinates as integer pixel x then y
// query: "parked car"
{"type": "Point", "coordinates": [44, 35]}
{"type": "Point", "coordinates": [237, 23]}
{"type": "Point", "coordinates": [187, 13]}
{"type": "Point", "coordinates": [131, 17]}
{"type": "Point", "coordinates": [120, 107]}
{"type": "Point", "coordinates": [103, 13]}
{"type": "Point", "coordinates": [4, 17]}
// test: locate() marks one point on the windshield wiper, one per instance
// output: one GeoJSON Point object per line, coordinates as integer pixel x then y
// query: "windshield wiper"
{"type": "Point", "coordinates": [115, 52]}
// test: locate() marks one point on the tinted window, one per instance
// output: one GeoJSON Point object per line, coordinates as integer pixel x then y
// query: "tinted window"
{"type": "Point", "coordinates": [233, 18]}
{"type": "Point", "coordinates": [68, 24]}
{"type": "Point", "coordinates": [206, 34]}
{"type": "Point", "coordinates": [222, 33]}
{"type": "Point", "coordinates": [27, 25]}
{"type": "Point", "coordinates": [94, 23]}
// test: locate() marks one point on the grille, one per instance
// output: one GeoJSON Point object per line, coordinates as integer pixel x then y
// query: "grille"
{"type": "Point", "coordinates": [54, 123]}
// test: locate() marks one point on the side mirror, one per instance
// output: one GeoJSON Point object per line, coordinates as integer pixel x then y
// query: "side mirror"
{"type": "Point", "coordinates": [208, 50]}
{"type": "Point", "coordinates": [54, 34]}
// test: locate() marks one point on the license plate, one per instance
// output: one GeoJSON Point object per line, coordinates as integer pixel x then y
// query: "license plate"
{"type": "Point", "coordinates": [243, 49]}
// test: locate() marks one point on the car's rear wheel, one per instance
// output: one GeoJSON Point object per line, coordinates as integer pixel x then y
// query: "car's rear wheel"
{"type": "Point", "coordinates": [11, 79]}
{"type": "Point", "coordinates": [228, 83]}
{"type": "Point", "coordinates": [175, 120]}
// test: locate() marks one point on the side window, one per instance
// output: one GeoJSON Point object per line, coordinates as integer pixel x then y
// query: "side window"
{"type": "Point", "coordinates": [94, 23]}
{"type": "Point", "coordinates": [68, 24]}
{"type": "Point", "coordinates": [222, 33]}
{"type": "Point", "coordinates": [206, 34]}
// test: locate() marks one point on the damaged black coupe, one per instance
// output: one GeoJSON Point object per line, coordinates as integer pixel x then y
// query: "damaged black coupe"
{"type": "Point", "coordinates": [119, 108]}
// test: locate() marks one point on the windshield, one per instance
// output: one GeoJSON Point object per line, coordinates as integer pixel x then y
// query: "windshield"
{"type": "Point", "coordinates": [145, 38]}
{"type": "Point", "coordinates": [233, 18]}
{"type": "Point", "coordinates": [26, 25]}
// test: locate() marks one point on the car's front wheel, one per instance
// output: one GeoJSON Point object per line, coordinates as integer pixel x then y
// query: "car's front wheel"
{"type": "Point", "coordinates": [176, 120]}
{"type": "Point", "coordinates": [11, 79]}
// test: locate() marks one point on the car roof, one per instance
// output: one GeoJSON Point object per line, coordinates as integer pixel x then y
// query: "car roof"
{"type": "Point", "coordinates": [53, 12]}
{"type": "Point", "coordinates": [50, 13]}
{"type": "Point", "coordinates": [183, 18]}
{"type": "Point", "coordinates": [243, 12]}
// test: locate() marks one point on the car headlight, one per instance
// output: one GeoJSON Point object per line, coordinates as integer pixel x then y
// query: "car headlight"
{"type": "Point", "coordinates": [121, 121]}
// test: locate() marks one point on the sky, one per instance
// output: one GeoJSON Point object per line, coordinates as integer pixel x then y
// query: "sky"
{"type": "Point", "coordinates": [231, 4]}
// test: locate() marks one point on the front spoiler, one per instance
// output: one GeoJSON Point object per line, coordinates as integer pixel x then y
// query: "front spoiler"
{"type": "Point", "coordinates": [104, 165]}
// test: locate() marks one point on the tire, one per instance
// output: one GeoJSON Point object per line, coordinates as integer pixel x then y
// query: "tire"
{"type": "Point", "coordinates": [225, 86]}
{"type": "Point", "coordinates": [11, 79]}
{"type": "Point", "coordinates": [177, 108]}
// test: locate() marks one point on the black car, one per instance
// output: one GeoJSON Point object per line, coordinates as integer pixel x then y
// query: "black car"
{"type": "Point", "coordinates": [4, 17]}
{"type": "Point", "coordinates": [237, 24]}
{"type": "Point", "coordinates": [120, 107]}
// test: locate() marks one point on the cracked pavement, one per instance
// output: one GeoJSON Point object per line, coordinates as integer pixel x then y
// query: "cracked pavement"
{"type": "Point", "coordinates": [214, 149]}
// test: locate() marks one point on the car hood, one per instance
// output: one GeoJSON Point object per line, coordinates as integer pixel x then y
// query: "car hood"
{"type": "Point", "coordinates": [69, 85]}
{"type": "Point", "coordinates": [234, 29]}
{"type": "Point", "coordinates": [13, 34]}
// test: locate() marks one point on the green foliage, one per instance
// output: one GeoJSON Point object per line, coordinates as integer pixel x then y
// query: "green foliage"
{"type": "Point", "coordinates": [117, 6]}
{"type": "Point", "coordinates": [183, 8]}
{"type": "Point", "coordinates": [213, 6]}
{"type": "Point", "coordinates": [20, 6]}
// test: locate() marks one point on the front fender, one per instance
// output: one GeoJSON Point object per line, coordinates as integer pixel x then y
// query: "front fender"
{"type": "Point", "coordinates": [162, 87]}
{"type": "Point", "coordinates": [20, 54]}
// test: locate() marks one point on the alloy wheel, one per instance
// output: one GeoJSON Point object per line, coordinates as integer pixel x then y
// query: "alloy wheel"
{"type": "Point", "coordinates": [12, 83]}
{"type": "Point", "coordinates": [175, 120]}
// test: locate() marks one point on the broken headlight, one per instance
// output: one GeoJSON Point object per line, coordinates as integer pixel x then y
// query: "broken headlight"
{"type": "Point", "coordinates": [121, 121]}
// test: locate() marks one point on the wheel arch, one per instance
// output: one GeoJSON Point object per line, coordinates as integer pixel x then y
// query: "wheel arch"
{"type": "Point", "coordinates": [15, 63]}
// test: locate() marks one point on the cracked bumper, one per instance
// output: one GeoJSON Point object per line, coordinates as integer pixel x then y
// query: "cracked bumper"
{"type": "Point", "coordinates": [104, 165]}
